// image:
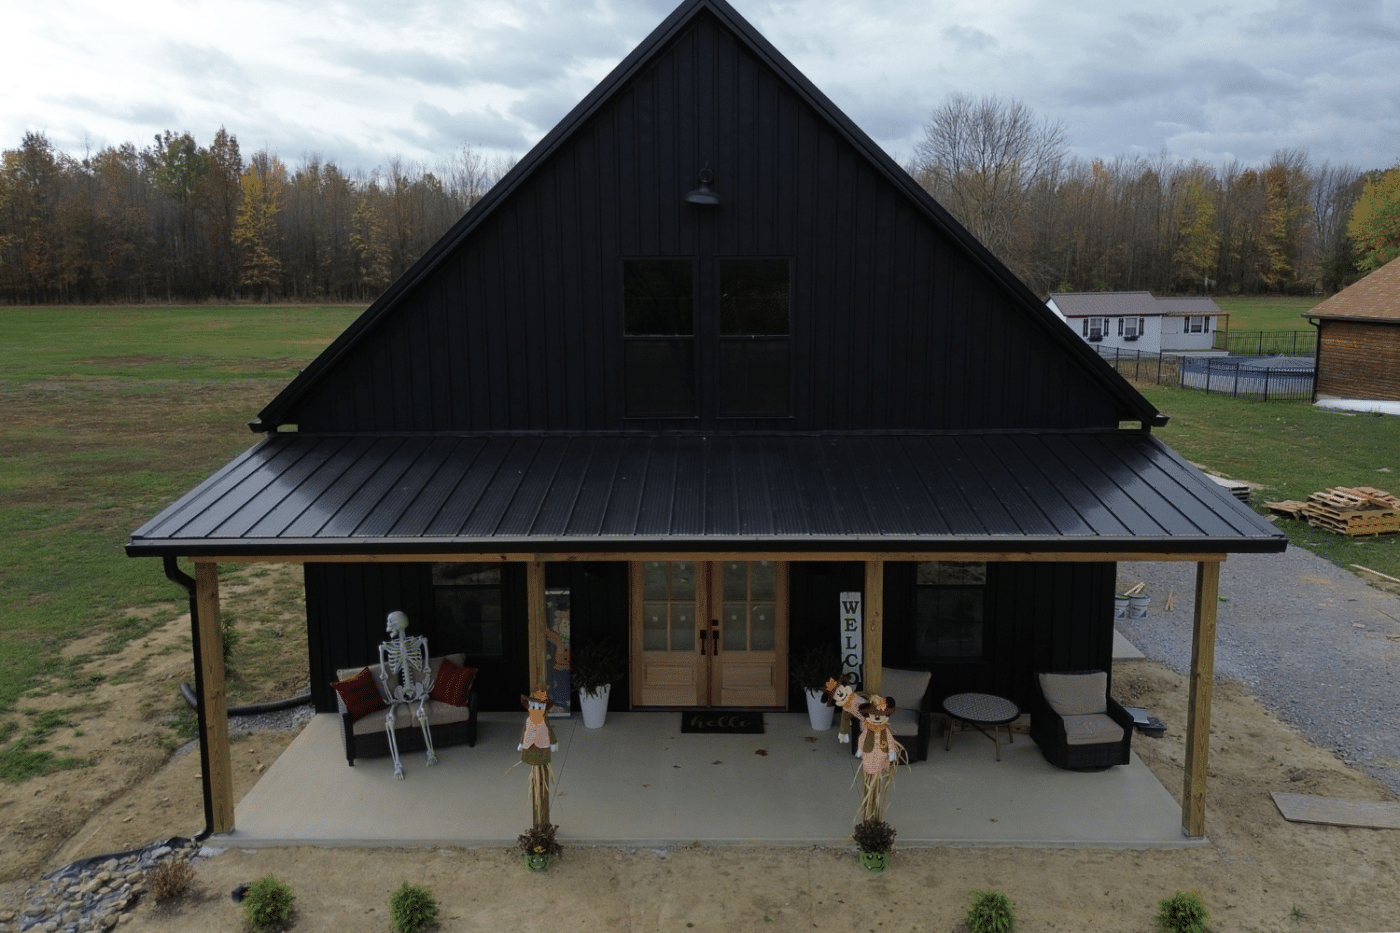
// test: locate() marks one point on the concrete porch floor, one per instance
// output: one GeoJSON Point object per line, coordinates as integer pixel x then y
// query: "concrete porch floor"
{"type": "Point", "coordinates": [640, 781]}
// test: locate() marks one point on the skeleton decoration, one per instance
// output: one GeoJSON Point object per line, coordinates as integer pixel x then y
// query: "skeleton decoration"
{"type": "Point", "coordinates": [880, 754]}
{"type": "Point", "coordinates": [842, 695]}
{"type": "Point", "coordinates": [404, 658]}
{"type": "Point", "coordinates": [537, 746]}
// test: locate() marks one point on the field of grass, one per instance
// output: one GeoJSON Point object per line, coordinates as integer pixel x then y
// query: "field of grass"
{"type": "Point", "coordinates": [1291, 449]}
{"type": "Point", "coordinates": [111, 414]}
{"type": "Point", "coordinates": [1268, 313]}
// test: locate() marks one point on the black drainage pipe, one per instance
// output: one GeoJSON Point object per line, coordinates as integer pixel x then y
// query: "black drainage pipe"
{"type": "Point", "coordinates": [252, 709]}
{"type": "Point", "coordinates": [175, 575]}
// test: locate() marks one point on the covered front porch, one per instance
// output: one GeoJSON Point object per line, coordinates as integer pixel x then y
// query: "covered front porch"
{"type": "Point", "coordinates": [640, 781]}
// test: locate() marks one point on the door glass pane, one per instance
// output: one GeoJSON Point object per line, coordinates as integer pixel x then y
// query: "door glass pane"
{"type": "Point", "coordinates": [736, 580]}
{"type": "Point", "coordinates": [682, 628]}
{"type": "Point", "coordinates": [654, 625]}
{"type": "Point", "coordinates": [763, 627]}
{"type": "Point", "coordinates": [654, 579]}
{"type": "Point", "coordinates": [736, 627]}
{"type": "Point", "coordinates": [763, 580]}
{"type": "Point", "coordinates": [683, 579]}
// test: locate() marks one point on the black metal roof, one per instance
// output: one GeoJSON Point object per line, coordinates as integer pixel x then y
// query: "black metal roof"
{"type": "Point", "coordinates": [1046, 492]}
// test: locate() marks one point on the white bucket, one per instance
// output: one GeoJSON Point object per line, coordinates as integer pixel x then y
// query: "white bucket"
{"type": "Point", "coordinates": [1137, 606]}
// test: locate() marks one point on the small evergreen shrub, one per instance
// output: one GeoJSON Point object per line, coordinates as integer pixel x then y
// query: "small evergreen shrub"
{"type": "Point", "coordinates": [412, 908]}
{"type": "Point", "coordinates": [990, 913]}
{"type": "Point", "coordinates": [267, 905]}
{"type": "Point", "coordinates": [1182, 913]}
{"type": "Point", "coordinates": [170, 880]}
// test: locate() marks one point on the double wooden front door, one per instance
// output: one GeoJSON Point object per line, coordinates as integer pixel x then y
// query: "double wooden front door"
{"type": "Point", "coordinates": [709, 633]}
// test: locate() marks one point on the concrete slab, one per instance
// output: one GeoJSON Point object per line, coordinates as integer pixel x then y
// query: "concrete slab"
{"type": "Point", "coordinates": [639, 781]}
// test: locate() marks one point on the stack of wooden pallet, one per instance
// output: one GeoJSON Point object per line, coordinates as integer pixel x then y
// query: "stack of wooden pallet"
{"type": "Point", "coordinates": [1346, 510]}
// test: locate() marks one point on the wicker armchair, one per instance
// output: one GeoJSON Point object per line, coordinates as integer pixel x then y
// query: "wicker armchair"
{"type": "Point", "coordinates": [1077, 725]}
{"type": "Point", "coordinates": [911, 722]}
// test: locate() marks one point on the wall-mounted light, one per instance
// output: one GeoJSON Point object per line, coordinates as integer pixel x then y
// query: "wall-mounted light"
{"type": "Point", "coordinates": [704, 194]}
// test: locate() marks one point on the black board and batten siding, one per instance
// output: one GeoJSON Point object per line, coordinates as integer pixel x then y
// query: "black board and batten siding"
{"type": "Point", "coordinates": [519, 327]}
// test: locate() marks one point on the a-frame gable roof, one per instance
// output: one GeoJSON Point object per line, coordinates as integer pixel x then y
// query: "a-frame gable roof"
{"type": "Point", "coordinates": [1374, 298]}
{"type": "Point", "coordinates": [1132, 405]}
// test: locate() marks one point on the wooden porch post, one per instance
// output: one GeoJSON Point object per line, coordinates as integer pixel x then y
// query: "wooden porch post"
{"type": "Point", "coordinates": [1193, 791]}
{"type": "Point", "coordinates": [215, 697]}
{"type": "Point", "coordinates": [874, 624]}
{"type": "Point", "coordinates": [534, 601]}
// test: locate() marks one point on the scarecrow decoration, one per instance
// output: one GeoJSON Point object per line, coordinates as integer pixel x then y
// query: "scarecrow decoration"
{"type": "Point", "coordinates": [841, 693]}
{"type": "Point", "coordinates": [537, 746]}
{"type": "Point", "coordinates": [880, 754]}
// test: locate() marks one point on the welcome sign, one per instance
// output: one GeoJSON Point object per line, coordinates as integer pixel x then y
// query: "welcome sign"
{"type": "Point", "coordinates": [852, 636]}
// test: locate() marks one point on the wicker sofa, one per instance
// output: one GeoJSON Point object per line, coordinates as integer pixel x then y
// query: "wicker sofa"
{"type": "Point", "coordinates": [1077, 725]}
{"type": "Point", "coordinates": [448, 724]}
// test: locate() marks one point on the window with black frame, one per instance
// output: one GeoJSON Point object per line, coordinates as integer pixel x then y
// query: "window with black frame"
{"type": "Point", "coordinates": [467, 598]}
{"type": "Point", "coordinates": [658, 310]}
{"type": "Point", "coordinates": [950, 598]}
{"type": "Point", "coordinates": [754, 337]}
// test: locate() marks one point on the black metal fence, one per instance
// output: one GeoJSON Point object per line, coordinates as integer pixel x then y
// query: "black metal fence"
{"type": "Point", "coordinates": [1268, 343]}
{"type": "Point", "coordinates": [1267, 378]}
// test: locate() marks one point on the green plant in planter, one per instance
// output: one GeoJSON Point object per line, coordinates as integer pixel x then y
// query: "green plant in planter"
{"type": "Point", "coordinates": [596, 664]}
{"type": "Point", "coordinates": [811, 668]}
{"type": "Point", "coordinates": [990, 913]}
{"type": "Point", "coordinates": [875, 839]}
{"type": "Point", "coordinates": [412, 908]}
{"type": "Point", "coordinates": [267, 905]}
{"type": "Point", "coordinates": [1182, 913]}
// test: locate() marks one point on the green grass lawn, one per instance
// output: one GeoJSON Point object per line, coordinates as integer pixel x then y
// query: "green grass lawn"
{"type": "Point", "coordinates": [110, 415]}
{"type": "Point", "coordinates": [1291, 449]}
{"type": "Point", "coordinates": [1268, 313]}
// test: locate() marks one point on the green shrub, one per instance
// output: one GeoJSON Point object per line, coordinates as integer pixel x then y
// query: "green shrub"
{"type": "Point", "coordinates": [990, 913]}
{"type": "Point", "coordinates": [267, 905]}
{"type": "Point", "coordinates": [1182, 913]}
{"type": "Point", "coordinates": [412, 908]}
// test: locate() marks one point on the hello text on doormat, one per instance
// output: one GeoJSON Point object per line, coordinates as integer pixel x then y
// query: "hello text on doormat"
{"type": "Point", "coordinates": [736, 722]}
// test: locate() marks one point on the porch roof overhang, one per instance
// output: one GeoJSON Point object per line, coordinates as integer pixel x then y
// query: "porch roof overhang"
{"type": "Point", "coordinates": [1019, 495]}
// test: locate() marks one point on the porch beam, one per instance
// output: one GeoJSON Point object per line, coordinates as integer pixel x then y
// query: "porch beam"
{"type": "Point", "coordinates": [874, 625]}
{"type": "Point", "coordinates": [534, 603]}
{"type": "Point", "coordinates": [1202, 689]}
{"type": "Point", "coordinates": [213, 698]}
{"type": "Point", "coordinates": [789, 556]}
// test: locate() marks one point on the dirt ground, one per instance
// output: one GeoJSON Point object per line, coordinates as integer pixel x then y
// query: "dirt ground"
{"type": "Point", "coordinates": [1260, 873]}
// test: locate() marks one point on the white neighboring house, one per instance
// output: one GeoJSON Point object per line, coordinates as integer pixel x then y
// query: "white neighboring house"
{"type": "Point", "coordinates": [1138, 321]}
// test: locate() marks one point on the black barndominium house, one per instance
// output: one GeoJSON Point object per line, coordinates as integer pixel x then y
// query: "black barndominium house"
{"type": "Point", "coordinates": [709, 358]}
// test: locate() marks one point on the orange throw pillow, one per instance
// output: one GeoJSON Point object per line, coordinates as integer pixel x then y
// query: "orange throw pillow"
{"type": "Point", "coordinates": [360, 694]}
{"type": "Point", "coordinates": [454, 684]}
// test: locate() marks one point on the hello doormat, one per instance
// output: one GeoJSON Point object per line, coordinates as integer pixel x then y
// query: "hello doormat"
{"type": "Point", "coordinates": [735, 722]}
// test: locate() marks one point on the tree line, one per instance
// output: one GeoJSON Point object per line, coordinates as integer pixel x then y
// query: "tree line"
{"type": "Point", "coordinates": [179, 221]}
{"type": "Point", "coordinates": [1164, 225]}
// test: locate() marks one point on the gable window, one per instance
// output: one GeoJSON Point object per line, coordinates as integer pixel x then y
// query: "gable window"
{"type": "Point", "coordinates": [467, 598]}
{"type": "Point", "coordinates": [658, 358]}
{"type": "Point", "coordinates": [1130, 328]}
{"type": "Point", "coordinates": [948, 610]}
{"type": "Point", "coordinates": [754, 337]}
{"type": "Point", "coordinates": [1198, 325]}
{"type": "Point", "coordinates": [1094, 327]}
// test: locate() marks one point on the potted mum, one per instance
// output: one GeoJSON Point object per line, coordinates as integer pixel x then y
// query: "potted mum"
{"type": "Point", "coordinates": [810, 671]}
{"type": "Point", "coordinates": [875, 839]}
{"type": "Point", "coordinates": [594, 668]}
{"type": "Point", "coordinates": [538, 845]}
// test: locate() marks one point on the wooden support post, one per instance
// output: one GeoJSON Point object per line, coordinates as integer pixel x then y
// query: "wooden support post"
{"type": "Point", "coordinates": [214, 700]}
{"type": "Point", "coordinates": [1193, 791]}
{"type": "Point", "coordinates": [874, 625]}
{"type": "Point", "coordinates": [534, 602]}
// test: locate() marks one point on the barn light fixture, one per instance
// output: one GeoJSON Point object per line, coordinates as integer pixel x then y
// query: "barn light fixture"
{"type": "Point", "coordinates": [704, 194]}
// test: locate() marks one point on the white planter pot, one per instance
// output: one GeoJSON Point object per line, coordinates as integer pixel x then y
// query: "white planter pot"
{"type": "Point", "coordinates": [595, 706]}
{"type": "Point", "coordinates": [818, 712]}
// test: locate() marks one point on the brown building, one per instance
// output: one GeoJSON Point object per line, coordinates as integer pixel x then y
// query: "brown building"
{"type": "Point", "coordinates": [1358, 340]}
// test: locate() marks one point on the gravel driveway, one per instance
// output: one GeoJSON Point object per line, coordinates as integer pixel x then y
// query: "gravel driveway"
{"type": "Point", "coordinates": [1312, 641]}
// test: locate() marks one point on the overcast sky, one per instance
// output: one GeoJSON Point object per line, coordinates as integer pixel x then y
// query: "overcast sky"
{"type": "Point", "coordinates": [360, 81]}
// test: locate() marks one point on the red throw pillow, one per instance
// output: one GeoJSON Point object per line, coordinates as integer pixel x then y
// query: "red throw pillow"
{"type": "Point", "coordinates": [360, 694]}
{"type": "Point", "coordinates": [454, 684]}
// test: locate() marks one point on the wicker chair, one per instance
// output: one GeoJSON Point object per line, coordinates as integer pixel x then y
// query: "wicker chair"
{"type": "Point", "coordinates": [1077, 725]}
{"type": "Point", "coordinates": [911, 722]}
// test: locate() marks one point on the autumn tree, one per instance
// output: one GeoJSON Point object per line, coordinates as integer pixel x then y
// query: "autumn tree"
{"type": "Point", "coordinates": [255, 229]}
{"type": "Point", "coordinates": [1375, 219]}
